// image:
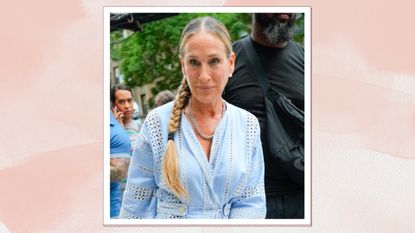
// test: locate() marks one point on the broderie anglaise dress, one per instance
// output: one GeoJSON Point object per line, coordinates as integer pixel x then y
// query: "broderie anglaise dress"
{"type": "Point", "coordinates": [229, 185]}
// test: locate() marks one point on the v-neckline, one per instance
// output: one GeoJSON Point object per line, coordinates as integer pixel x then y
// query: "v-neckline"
{"type": "Point", "coordinates": [208, 166]}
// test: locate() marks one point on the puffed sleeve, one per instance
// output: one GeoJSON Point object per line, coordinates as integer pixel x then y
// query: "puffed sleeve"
{"type": "Point", "coordinates": [139, 197]}
{"type": "Point", "coordinates": [250, 203]}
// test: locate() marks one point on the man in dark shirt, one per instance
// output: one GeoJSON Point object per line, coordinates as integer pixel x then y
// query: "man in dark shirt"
{"type": "Point", "coordinates": [283, 62]}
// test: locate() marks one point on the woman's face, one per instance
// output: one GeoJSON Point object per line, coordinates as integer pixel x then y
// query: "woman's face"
{"type": "Point", "coordinates": [206, 66]}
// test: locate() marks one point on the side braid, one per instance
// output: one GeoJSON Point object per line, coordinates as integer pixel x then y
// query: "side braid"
{"type": "Point", "coordinates": [170, 163]}
{"type": "Point", "coordinates": [180, 102]}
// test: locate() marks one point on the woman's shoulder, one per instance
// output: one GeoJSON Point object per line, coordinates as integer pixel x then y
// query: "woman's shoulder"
{"type": "Point", "coordinates": [246, 122]}
{"type": "Point", "coordinates": [161, 114]}
{"type": "Point", "coordinates": [241, 113]}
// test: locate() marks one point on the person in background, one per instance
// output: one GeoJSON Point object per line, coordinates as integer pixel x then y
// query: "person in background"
{"type": "Point", "coordinates": [198, 157]}
{"type": "Point", "coordinates": [123, 108]}
{"type": "Point", "coordinates": [283, 63]}
{"type": "Point", "coordinates": [163, 97]}
{"type": "Point", "coordinates": [119, 160]}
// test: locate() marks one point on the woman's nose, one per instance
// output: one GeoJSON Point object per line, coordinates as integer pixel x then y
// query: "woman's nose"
{"type": "Point", "coordinates": [204, 74]}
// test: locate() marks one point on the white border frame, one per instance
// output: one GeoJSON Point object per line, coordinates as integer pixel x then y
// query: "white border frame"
{"type": "Point", "coordinates": [307, 111]}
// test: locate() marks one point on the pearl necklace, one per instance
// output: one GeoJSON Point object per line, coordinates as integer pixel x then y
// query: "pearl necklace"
{"type": "Point", "coordinates": [196, 127]}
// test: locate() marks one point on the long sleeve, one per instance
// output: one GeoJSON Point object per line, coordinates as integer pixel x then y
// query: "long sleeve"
{"type": "Point", "coordinates": [139, 199]}
{"type": "Point", "coordinates": [250, 201]}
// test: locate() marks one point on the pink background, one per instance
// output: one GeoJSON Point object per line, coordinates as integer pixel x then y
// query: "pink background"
{"type": "Point", "coordinates": [363, 116]}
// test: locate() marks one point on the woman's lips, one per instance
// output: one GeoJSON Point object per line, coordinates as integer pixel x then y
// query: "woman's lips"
{"type": "Point", "coordinates": [205, 87]}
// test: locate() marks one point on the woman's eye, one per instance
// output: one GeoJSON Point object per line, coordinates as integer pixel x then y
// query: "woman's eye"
{"type": "Point", "coordinates": [193, 62]}
{"type": "Point", "coordinates": [214, 61]}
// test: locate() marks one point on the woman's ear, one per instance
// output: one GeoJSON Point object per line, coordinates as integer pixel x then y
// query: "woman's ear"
{"type": "Point", "coordinates": [231, 67]}
{"type": "Point", "coordinates": [182, 64]}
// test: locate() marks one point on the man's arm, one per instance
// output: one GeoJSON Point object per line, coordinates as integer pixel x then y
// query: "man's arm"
{"type": "Point", "coordinates": [119, 168]}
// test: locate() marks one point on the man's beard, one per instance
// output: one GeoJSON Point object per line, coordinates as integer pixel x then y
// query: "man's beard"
{"type": "Point", "coordinates": [274, 30]}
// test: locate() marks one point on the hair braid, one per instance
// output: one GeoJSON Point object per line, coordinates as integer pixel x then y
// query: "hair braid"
{"type": "Point", "coordinates": [170, 163]}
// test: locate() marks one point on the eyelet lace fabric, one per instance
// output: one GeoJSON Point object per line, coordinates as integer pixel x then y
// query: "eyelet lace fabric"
{"type": "Point", "coordinates": [125, 215]}
{"type": "Point", "coordinates": [220, 188]}
{"type": "Point", "coordinates": [140, 193]}
{"type": "Point", "coordinates": [253, 191]}
{"type": "Point", "coordinates": [246, 213]}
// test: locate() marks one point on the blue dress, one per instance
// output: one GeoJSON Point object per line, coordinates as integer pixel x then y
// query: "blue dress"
{"type": "Point", "coordinates": [228, 185]}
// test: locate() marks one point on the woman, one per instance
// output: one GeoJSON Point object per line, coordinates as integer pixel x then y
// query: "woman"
{"type": "Point", "coordinates": [198, 157]}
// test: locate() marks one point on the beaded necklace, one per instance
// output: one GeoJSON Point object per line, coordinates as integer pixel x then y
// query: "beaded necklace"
{"type": "Point", "coordinates": [196, 127]}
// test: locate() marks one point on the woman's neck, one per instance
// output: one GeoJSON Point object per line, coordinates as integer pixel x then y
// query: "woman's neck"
{"type": "Point", "coordinates": [213, 109]}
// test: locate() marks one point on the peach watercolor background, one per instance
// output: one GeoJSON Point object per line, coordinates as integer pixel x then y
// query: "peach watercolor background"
{"type": "Point", "coordinates": [363, 116]}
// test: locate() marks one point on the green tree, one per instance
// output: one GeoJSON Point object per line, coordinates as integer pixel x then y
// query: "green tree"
{"type": "Point", "coordinates": [299, 28]}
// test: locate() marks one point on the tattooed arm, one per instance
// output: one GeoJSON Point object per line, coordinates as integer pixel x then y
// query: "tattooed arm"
{"type": "Point", "coordinates": [119, 168]}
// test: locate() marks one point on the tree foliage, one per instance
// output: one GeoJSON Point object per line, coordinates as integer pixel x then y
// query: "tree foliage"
{"type": "Point", "coordinates": [152, 55]}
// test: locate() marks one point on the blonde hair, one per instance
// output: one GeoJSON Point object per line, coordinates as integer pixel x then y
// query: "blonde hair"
{"type": "Point", "coordinates": [170, 167]}
{"type": "Point", "coordinates": [170, 162]}
{"type": "Point", "coordinates": [207, 24]}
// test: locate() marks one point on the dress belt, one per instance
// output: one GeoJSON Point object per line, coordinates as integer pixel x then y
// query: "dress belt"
{"type": "Point", "coordinates": [181, 210]}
